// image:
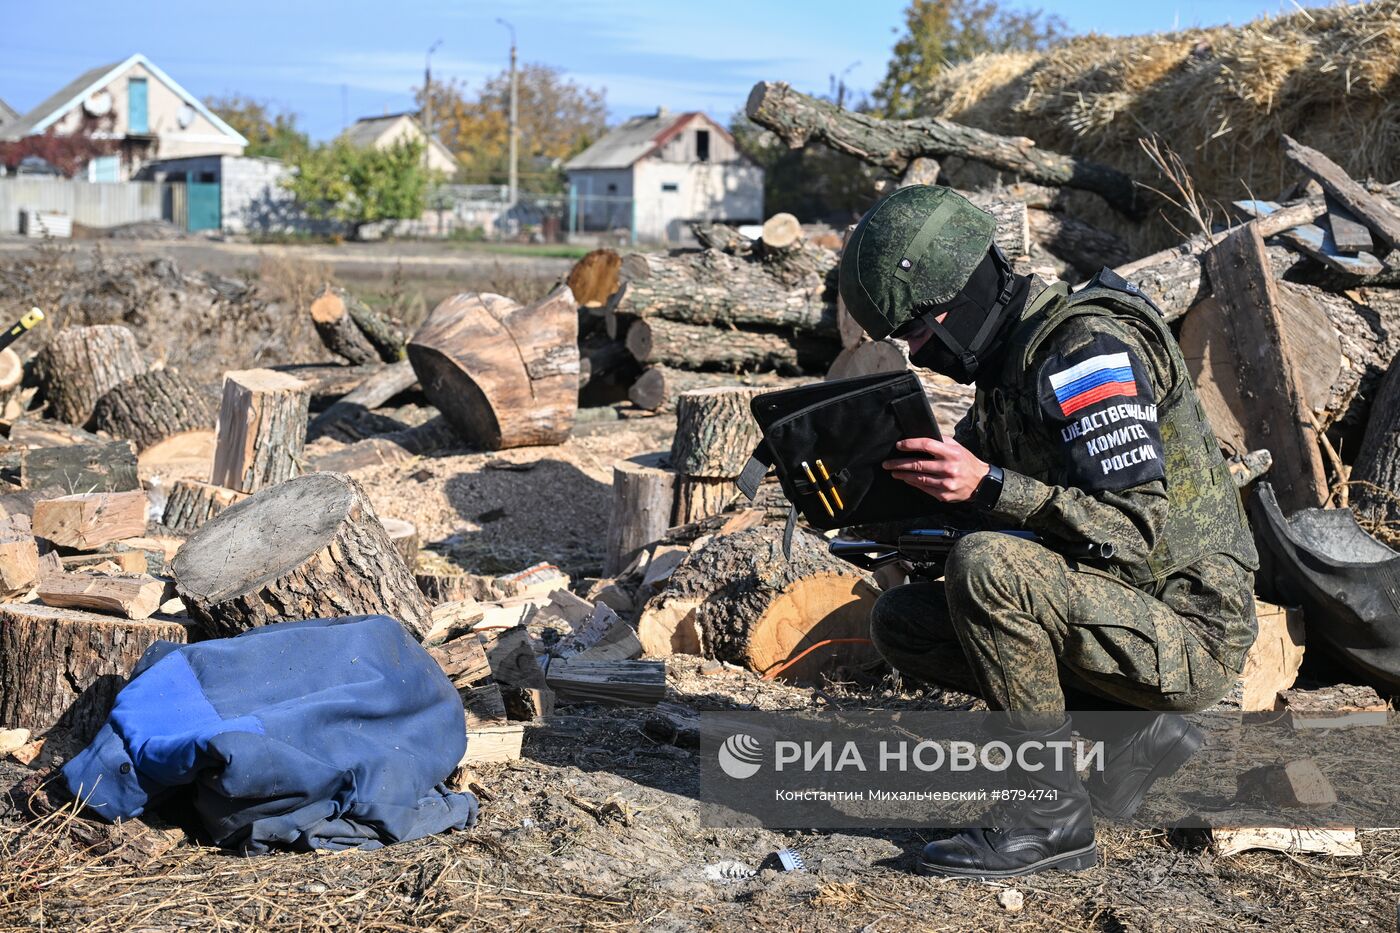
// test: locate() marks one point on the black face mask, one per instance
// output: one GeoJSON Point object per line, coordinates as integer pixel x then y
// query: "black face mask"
{"type": "Point", "coordinates": [967, 337]}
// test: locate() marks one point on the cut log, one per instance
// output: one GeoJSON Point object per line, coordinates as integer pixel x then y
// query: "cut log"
{"type": "Point", "coordinates": [61, 667]}
{"type": "Point", "coordinates": [1243, 282]}
{"type": "Point", "coordinates": [1375, 493]}
{"type": "Point", "coordinates": [893, 144]}
{"type": "Point", "coordinates": [1288, 786]}
{"type": "Point", "coordinates": [1337, 707]}
{"type": "Point", "coordinates": [89, 521]}
{"type": "Point", "coordinates": [309, 548]}
{"type": "Point", "coordinates": [1348, 233]}
{"type": "Point", "coordinates": [697, 346]}
{"type": "Point", "coordinates": [493, 743]}
{"type": "Point", "coordinates": [353, 329]}
{"type": "Point", "coordinates": [1272, 663]}
{"type": "Point", "coordinates": [594, 278]}
{"type": "Point", "coordinates": [328, 382]}
{"type": "Point", "coordinates": [192, 503]}
{"type": "Point", "coordinates": [337, 328]}
{"type": "Point", "coordinates": [80, 364]}
{"type": "Point", "coordinates": [649, 391]}
{"type": "Point", "coordinates": [376, 389]}
{"type": "Point", "coordinates": [19, 557]}
{"type": "Point", "coordinates": [621, 683]}
{"type": "Point", "coordinates": [1367, 207]}
{"type": "Point", "coordinates": [781, 231]}
{"type": "Point", "coordinates": [699, 497]}
{"type": "Point", "coordinates": [190, 452]}
{"type": "Point", "coordinates": [643, 499]}
{"type": "Point", "coordinates": [101, 467]}
{"type": "Point", "coordinates": [11, 374]}
{"type": "Point", "coordinates": [502, 374]}
{"type": "Point", "coordinates": [35, 433]}
{"type": "Point", "coordinates": [463, 660]}
{"type": "Point", "coordinates": [405, 537]}
{"type": "Point", "coordinates": [152, 407]}
{"type": "Point", "coordinates": [262, 429]}
{"type": "Point", "coordinates": [715, 431]}
{"type": "Point", "coordinates": [754, 607]}
{"type": "Point", "coordinates": [130, 595]}
{"type": "Point", "coordinates": [513, 660]}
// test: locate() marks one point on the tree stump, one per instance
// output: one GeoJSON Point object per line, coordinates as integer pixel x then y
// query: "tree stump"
{"type": "Point", "coordinates": [405, 537]}
{"type": "Point", "coordinates": [153, 407]}
{"type": "Point", "coordinates": [63, 667]}
{"type": "Point", "coordinates": [740, 600]}
{"type": "Point", "coordinates": [81, 364]}
{"type": "Point", "coordinates": [1377, 468]}
{"type": "Point", "coordinates": [643, 498]}
{"type": "Point", "coordinates": [502, 374]}
{"type": "Point", "coordinates": [262, 429]}
{"type": "Point", "coordinates": [309, 548]}
{"type": "Point", "coordinates": [192, 503]}
{"type": "Point", "coordinates": [699, 497]}
{"type": "Point", "coordinates": [352, 329]}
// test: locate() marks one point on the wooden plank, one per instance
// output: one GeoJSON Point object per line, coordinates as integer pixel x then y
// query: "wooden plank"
{"type": "Point", "coordinates": [1273, 661]}
{"type": "Point", "coordinates": [1316, 242]}
{"type": "Point", "coordinates": [1336, 842]}
{"type": "Point", "coordinates": [1279, 418]}
{"type": "Point", "coordinates": [1367, 208]}
{"type": "Point", "coordinates": [500, 742]}
{"type": "Point", "coordinates": [1350, 235]}
{"type": "Point", "coordinates": [131, 595]}
{"type": "Point", "coordinates": [625, 683]}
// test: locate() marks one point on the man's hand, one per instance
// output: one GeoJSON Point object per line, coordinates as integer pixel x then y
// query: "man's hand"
{"type": "Point", "coordinates": [946, 470]}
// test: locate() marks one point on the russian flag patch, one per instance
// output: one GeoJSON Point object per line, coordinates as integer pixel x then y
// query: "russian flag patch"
{"type": "Point", "coordinates": [1093, 380]}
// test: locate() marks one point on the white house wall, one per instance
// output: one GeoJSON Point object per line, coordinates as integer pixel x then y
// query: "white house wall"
{"type": "Point", "coordinates": [404, 129]}
{"type": "Point", "coordinates": [726, 191]}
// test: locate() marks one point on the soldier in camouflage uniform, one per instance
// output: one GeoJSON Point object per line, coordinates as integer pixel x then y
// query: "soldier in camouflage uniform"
{"type": "Point", "coordinates": [1086, 430]}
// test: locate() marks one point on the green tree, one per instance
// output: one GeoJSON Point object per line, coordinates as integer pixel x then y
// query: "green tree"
{"type": "Point", "coordinates": [269, 134]}
{"type": "Point", "coordinates": [361, 186]}
{"type": "Point", "coordinates": [558, 119]}
{"type": "Point", "coordinates": [938, 33]}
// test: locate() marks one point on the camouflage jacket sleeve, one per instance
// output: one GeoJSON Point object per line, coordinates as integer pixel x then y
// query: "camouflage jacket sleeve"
{"type": "Point", "coordinates": [1099, 383]}
{"type": "Point", "coordinates": [965, 432]}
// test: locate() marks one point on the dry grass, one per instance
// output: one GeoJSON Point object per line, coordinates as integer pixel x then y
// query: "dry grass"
{"type": "Point", "coordinates": [1221, 96]}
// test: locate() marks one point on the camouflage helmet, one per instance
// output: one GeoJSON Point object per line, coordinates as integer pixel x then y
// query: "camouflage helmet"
{"type": "Point", "coordinates": [918, 246]}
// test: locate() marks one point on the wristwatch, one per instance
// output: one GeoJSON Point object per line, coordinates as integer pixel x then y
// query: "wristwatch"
{"type": "Point", "coordinates": [988, 491]}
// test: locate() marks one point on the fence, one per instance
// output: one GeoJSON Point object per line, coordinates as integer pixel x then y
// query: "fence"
{"type": "Point", "coordinates": [92, 204]}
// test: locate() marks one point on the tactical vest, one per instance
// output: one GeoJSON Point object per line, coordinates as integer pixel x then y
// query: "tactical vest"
{"type": "Point", "coordinates": [1205, 515]}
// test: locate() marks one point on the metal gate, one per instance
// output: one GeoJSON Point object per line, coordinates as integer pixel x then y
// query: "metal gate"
{"type": "Point", "coordinates": [203, 205]}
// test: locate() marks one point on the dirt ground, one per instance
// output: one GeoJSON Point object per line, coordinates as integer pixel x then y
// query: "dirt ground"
{"type": "Point", "coordinates": [597, 826]}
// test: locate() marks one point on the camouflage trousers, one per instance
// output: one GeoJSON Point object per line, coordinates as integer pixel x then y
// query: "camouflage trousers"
{"type": "Point", "coordinates": [1019, 624]}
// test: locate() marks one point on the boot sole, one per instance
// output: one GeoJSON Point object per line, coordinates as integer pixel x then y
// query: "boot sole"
{"type": "Point", "coordinates": [1180, 753]}
{"type": "Point", "coordinates": [1078, 860]}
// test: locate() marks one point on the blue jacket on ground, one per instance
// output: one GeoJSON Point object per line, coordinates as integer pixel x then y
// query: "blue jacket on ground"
{"type": "Point", "coordinates": [325, 734]}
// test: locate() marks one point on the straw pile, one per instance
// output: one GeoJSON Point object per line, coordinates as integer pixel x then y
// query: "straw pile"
{"type": "Point", "coordinates": [1221, 97]}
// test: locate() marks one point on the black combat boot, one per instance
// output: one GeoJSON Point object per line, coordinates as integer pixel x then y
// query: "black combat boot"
{"type": "Point", "coordinates": [1055, 832]}
{"type": "Point", "coordinates": [1139, 749]}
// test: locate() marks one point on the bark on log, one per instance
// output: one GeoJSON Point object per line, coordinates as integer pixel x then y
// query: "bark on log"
{"type": "Point", "coordinates": [340, 316]}
{"type": "Point", "coordinates": [1376, 473]}
{"type": "Point", "coordinates": [699, 497]}
{"type": "Point", "coordinates": [309, 548]}
{"type": "Point", "coordinates": [504, 375]}
{"type": "Point", "coordinates": [262, 429]}
{"type": "Point", "coordinates": [697, 346]}
{"type": "Point", "coordinates": [715, 431]}
{"type": "Point", "coordinates": [376, 389]}
{"type": "Point", "coordinates": [329, 381]}
{"type": "Point", "coordinates": [794, 292]}
{"type": "Point", "coordinates": [62, 667]}
{"type": "Point", "coordinates": [1243, 282]}
{"type": "Point", "coordinates": [893, 144]}
{"type": "Point", "coordinates": [643, 497]}
{"type": "Point", "coordinates": [89, 521]}
{"type": "Point", "coordinates": [152, 407]}
{"type": "Point", "coordinates": [80, 364]}
{"type": "Point", "coordinates": [192, 503]}
{"type": "Point", "coordinates": [649, 391]}
{"type": "Point", "coordinates": [100, 467]}
{"type": "Point", "coordinates": [742, 601]}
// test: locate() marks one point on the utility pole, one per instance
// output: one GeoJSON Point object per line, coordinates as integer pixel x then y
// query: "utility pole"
{"type": "Point", "coordinates": [514, 120]}
{"type": "Point", "coordinates": [428, 99]}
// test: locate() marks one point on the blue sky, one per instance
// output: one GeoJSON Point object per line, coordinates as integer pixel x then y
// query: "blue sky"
{"type": "Point", "coordinates": [324, 59]}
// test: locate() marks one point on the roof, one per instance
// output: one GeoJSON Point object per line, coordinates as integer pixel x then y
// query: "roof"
{"type": "Point", "coordinates": [7, 113]}
{"type": "Point", "coordinates": [635, 139]}
{"type": "Point", "coordinates": [60, 102]}
{"type": "Point", "coordinates": [365, 132]}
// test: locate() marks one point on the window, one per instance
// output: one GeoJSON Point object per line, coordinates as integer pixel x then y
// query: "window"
{"type": "Point", "coordinates": [612, 189]}
{"type": "Point", "coordinates": [702, 145]}
{"type": "Point", "coordinates": [207, 178]}
{"type": "Point", "coordinates": [670, 186]}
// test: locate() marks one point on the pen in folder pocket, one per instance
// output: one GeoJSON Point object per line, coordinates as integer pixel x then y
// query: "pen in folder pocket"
{"type": "Point", "coordinates": [811, 478]}
{"type": "Point", "coordinates": [831, 484]}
